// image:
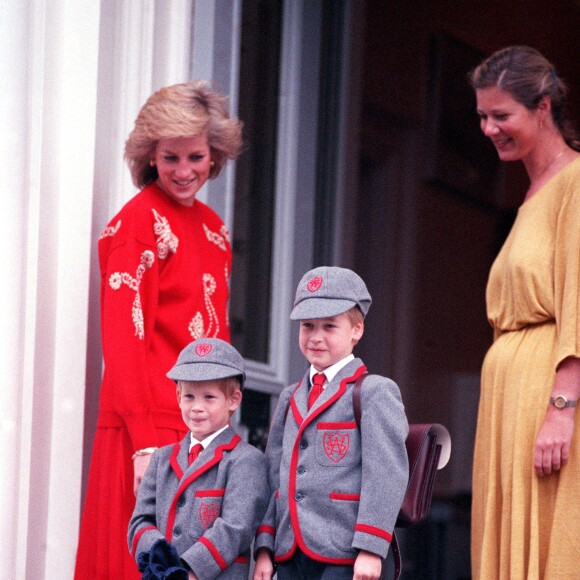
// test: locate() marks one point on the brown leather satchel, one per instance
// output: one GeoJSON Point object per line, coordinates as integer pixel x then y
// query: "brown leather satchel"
{"type": "Point", "coordinates": [428, 449]}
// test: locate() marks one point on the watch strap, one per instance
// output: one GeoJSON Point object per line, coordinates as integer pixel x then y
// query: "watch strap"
{"type": "Point", "coordinates": [561, 402]}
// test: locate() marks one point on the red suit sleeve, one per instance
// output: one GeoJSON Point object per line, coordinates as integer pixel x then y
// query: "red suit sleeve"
{"type": "Point", "coordinates": [129, 297]}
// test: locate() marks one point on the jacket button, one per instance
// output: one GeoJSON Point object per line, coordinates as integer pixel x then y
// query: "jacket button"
{"type": "Point", "coordinates": [301, 470]}
{"type": "Point", "coordinates": [303, 444]}
{"type": "Point", "coordinates": [181, 502]}
{"type": "Point", "coordinates": [298, 496]}
{"type": "Point", "coordinates": [177, 532]}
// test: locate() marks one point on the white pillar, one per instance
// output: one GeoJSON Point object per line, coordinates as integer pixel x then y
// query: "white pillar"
{"type": "Point", "coordinates": [49, 53]}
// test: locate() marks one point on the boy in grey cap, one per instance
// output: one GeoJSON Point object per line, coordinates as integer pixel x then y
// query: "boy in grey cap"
{"type": "Point", "coordinates": [207, 494]}
{"type": "Point", "coordinates": [336, 490]}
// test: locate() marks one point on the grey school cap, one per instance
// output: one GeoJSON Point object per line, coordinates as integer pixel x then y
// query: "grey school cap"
{"type": "Point", "coordinates": [329, 291]}
{"type": "Point", "coordinates": [208, 359]}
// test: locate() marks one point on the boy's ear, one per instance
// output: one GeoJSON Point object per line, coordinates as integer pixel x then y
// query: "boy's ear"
{"type": "Point", "coordinates": [235, 400]}
{"type": "Point", "coordinates": [358, 330]}
{"type": "Point", "coordinates": [178, 392]}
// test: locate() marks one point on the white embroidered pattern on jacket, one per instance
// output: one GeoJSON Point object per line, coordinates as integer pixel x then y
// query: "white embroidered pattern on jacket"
{"type": "Point", "coordinates": [117, 279]}
{"type": "Point", "coordinates": [196, 326]}
{"type": "Point", "coordinates": [110, 230]}
{"type": "Point", "coordinates": [227, 272]}
{"type": "Point", "coordinates": [218, 239]}
{"type": "Point", "coordinates": [227, 277]}
{"type": "Point", "coordinates": [167, 241]}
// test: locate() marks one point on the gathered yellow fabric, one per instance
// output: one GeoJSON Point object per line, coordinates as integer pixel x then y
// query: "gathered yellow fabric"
{"type": "Point", "coordinates": [525, 527]}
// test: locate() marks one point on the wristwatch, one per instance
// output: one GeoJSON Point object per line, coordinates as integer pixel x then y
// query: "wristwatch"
{"type": "Point", "coordinates": [561, 402]}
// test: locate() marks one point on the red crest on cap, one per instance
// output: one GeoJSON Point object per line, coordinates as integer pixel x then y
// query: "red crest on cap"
{"type": "Point", "coordinates": [203, 349]}
{"type": "Point", "coordinates": [314, 284]}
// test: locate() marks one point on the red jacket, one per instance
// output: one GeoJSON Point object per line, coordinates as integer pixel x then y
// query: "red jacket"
{"type": "Point", "coordinates": [164, 282]}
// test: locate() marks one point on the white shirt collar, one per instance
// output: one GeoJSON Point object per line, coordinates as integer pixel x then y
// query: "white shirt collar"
{"type": "Point", "coordinates": [207, 440]}
{"type": "Point", "coordinates": [332, 370]}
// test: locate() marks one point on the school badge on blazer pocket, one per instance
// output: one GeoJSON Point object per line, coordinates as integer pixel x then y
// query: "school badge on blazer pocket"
{"type": "Point", "coordinates": [209, 505]}
{"type": "Point", "coordinates": [335, 443]}
{"type": "Point", "coordinates": [208, 513]}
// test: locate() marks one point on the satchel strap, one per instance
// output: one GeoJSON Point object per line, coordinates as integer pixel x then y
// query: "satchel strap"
{"type": "Point", "coordinates": [397, 556]}
{"type": "Point", "coordinates": [356, 404]}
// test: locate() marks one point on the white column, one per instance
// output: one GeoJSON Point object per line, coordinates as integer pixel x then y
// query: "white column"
{"type": "Point", "coordinates": [15, 183]}
{"type": "Point", "coordinates": [75, 73]}
{"type": "Point", "coordinates": [49, 55]}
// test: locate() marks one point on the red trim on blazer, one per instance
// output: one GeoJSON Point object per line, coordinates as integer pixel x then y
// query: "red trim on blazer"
{"type": "Point", "coordinates": [298, 539]}
{"type": "Point", "coordinates": [297, 415]}
{"type": "Point", "coordinates": [241, 560]}
{"type": "Point", "coordinates": [266, 530]}
{"type": "Point", "coordinates": [210, 493]}
{"type": "Point", "coordinates": [344, 425]}
{"type": "Point", "coordinates": [277, 494]}
{"type": "Point", "coordinates": [214, 552]}
{"type": "Point", "coordinates": [217, 457]}
{"type": "Point", "coordinates": [373, 531]}
{"type": "Point", "coordinates": [344, 496]}
{"type": "Point", "coordinates": [173, 460]}
{"type": "Point", "coordinates": [137, 537]}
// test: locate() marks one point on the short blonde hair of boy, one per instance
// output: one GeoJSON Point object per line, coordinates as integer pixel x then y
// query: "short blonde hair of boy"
{"type": "Point", "coordinates": [227, 386]}
{"type": "Point", "coordinates": [182, 110]}
{"type": "Point", "coordinates": [355, 315]}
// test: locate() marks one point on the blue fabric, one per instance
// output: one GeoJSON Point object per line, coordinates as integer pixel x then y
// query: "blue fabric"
{"type": "Point", "coordinates": [162, 562]}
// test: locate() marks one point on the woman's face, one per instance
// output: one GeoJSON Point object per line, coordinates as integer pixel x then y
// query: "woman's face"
{"type": "Point", "coordinates": [183, 165]}
{"type": "Point", "coordinates": [512, 128]}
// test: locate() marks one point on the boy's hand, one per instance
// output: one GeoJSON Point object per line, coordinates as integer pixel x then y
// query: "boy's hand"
{"type": "Point", "coordinates": [140, 465]}
{"type": "Point", "coordinates": [367, 566]}
{"type": "Point", "coordinates": [264, 569]}
{"type": "Point", "coordinates": [191, 576]}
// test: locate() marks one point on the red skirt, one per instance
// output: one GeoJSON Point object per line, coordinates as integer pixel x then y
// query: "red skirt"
{"type": "Point", "coordinates": [103, 553]}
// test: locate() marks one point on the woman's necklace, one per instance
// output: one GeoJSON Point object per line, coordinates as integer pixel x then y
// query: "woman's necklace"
{"type": "Point", "coordinates": [550, 164]}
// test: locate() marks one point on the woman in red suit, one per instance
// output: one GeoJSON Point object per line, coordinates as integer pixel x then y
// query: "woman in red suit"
{"type": "Point", "coordinates": [165, 262]}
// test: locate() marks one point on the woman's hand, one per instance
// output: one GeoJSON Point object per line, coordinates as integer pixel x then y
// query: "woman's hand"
{"type": "Point", "coordinates": [367, 566]}
{"type": "Point", "coordinates": [191, 576]}
{"type": "Point", "coordinates": [553, 441]}
{"type": "Point", "coordinates": [264, 569]}
{"type": "Point", "coordinates": [140, 465]}
{"type": "Point", "coordinates": [555, 435]}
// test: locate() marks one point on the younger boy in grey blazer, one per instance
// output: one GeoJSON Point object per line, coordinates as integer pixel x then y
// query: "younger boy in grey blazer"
{"type": "Point", "coordinates": [207, 494]}
{"type": "Point", "coordinates": [336, 491]}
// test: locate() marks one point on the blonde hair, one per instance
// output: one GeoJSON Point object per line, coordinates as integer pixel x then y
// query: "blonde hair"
{"type": "Point", "coordinates": [527, 76]}
{"type": "Point", "coordinates": [182, 110]}
{"type": "Point", "coordinates": [227, 386]}
{"type": "Point", "coordinates": [355, 315]}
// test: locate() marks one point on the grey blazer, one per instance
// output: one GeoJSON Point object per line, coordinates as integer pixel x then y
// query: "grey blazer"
{"type": "Point", "coordinates": [209, 510]}
{"type": "Point", "coordinates": [335, 490]}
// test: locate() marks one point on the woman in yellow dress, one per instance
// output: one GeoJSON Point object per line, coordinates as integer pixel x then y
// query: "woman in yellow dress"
{"type": "Point", "coordinates": [526, 480]}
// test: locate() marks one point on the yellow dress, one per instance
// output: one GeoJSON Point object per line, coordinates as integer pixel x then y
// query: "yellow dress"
{"type": "Point", "coordinates": [525, 527]}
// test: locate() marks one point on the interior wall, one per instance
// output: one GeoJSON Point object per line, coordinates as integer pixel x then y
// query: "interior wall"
{"type": "Point", "coordinates": [425, 250]}
{"type": "Point", "coordinates": [398, 33]}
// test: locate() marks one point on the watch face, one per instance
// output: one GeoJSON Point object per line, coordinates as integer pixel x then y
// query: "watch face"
{"type": "Point", "coordinates": [560, 402]}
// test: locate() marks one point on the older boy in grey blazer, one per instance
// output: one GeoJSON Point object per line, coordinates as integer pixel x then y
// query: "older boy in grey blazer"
{"type": "Point", "coordinates": [336, 491]}
{"type": "Point", "coordinates": [207, 494]}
